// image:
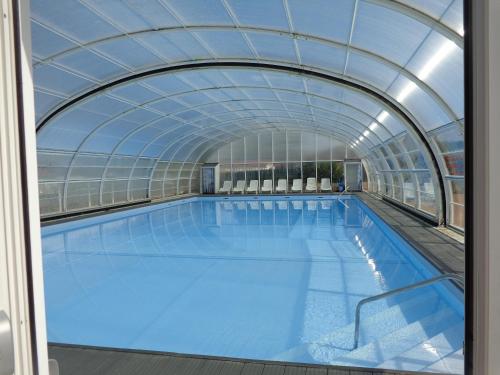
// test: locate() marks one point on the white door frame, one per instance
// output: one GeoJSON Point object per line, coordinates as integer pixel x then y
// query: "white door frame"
{"type": "Point", "coordinates": [483, 200]}
{"type": "Point", "coordinates": [21, 273]}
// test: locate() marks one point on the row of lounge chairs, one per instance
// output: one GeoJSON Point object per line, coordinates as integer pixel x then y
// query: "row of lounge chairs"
{"type": "Point", "coordinates": [282, 186]}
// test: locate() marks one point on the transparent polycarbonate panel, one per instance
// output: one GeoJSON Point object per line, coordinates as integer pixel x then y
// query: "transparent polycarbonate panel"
{"type": "Point", "coordinates": [294, 146]}
{"type": "Point", "coordinates": [238, 173]}
{"type": "Point", "coordinates": [457, 204]}
{"type": "Point", "coordinates": [280, 173]}
{"type": "Point", "coordinates": [88, 167]}
{"type": "Point", "coordinates": [200, 12]}
{"type": "Point", "coordinates": [321, 55]}
{"type": "Point", "coordinates": [238, 150]}
{"type": "Point", "coordinates": [323, 147]}
{"type": "Point", "coordinates": [449, 139]}
{"type": "Point", "coordinates": [183, 186]}
{"type": "Point", "coordinates": [82, 195]}
{"type": "Point", "coordinates": [139, 189]}
{"type": "Point", "coordinates": [387, 33]}
{"type": "Point", "coordinates": [308, 147]}
{"type": "Point", "coordinates": [279, 146]}
{"type": "Point", "coordinates": [225, 154]}
{"type": "Point", "coordinates": [434, 8]}
{"type": "Point", "coordinates": [53, 166]}
{"type": "Point", "coordinates": [119, 167]}
{"type": "Point", "coordinates": [370, 70]}
{"type": "Point", "coordinates": [252, 172]}
{"type": "Point", "coordinates": [409, 189]}
{"type": "Point", "coordinates": [225, 173]}
{"type": "Point", "coordinates": [429, 113]}
{"type": "Point", "coordinates": [265, 147]}
{"type": "Point", "coordinates": [294, 172]}
{"type": "Point", "coordinates": [195, 180]}
{"type": "Point", "coordinates": [322, 19]}
{"type": "Point", "coordinates": [454, 16]}
{"type": "Point", "coordinates": [265, 173]}
{"type": "Point", "coordinates": [51, 197]}
{"type": "Point", "coordinates": [262, 13]}
{"type": "Point", "coordinates": [445, 76]}
{"type": "Point", "coordinates": [114, 192]}
{"type": "Point", "coordinates": [426, 192]}
{"type": "Point", "coordinates": [273, 47]}
{"type": "Point", "coordinates": [324, 170]}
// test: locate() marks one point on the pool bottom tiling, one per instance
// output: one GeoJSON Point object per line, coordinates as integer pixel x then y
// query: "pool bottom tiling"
{"type": "Point", "coordinates": [271, 278]}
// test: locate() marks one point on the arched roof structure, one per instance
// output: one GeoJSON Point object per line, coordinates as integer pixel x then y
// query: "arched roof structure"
{"type": "Point", "coordinates": [131, 85]}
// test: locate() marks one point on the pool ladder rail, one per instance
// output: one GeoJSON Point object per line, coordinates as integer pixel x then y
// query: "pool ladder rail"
{"type": "Point", "coordinates": [458, 278]}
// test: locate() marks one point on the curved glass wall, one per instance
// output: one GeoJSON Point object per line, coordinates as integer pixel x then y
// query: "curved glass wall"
{"type": "Point", "coordinates": [408, 53]}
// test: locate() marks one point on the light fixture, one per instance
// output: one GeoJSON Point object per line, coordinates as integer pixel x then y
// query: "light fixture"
{"type": "Point", "coordinates": [361, 138]}
{"type": "Point", "coordinates": [373, 126]}
{"type": "Point", "coordinates": [366, 133]}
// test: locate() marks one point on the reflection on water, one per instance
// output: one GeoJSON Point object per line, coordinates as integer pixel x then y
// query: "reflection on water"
{"type": "Point", "coordinates": [241, 278]}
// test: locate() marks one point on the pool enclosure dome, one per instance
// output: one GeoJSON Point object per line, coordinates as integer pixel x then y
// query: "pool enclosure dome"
{"type": "Point", "coordinates": [132, 97]}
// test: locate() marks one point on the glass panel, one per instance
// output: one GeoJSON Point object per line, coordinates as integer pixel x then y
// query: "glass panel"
{"type": "Point", "coordinates": [308, 147]}
{"type": "Point", "coordinates": [266, 147]}
{"type": "Point", "coordinates": [251, 148]}
{"type": "Point", "coordinates": [225, 174]}
{"type": "Point", "coordinates": [308, 170]}
{"type": "Point", "coordinates": [294, 172]}
{"type": "Point", "coordinates": [238, 150]}
{"type": "Point", "coordinates": [279, 146]}
{"type": "Point", "coordinates": [323, 148]}
{"type": "Point", "coordinates": [238, 173]}
{"type": "Point", "coordinates": [280, 172]}
{"type": "Point", "coordinates": [294, 146]}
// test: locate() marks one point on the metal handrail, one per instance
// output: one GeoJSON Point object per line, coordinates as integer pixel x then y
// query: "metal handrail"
{"type": "Point", "coordinates": [447, 276]}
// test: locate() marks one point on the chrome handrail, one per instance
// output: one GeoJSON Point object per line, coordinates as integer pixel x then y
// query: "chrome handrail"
{"type": "Point", "coordinates": [447, 276]}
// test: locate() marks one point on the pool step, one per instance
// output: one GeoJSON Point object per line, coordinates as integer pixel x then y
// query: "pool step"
{"type": "Point", "coordinates": [440, 349]}
{"type": "Point", "coordinates": [390, 346]}
{"type": "Point", "coordinates": [341, 341]}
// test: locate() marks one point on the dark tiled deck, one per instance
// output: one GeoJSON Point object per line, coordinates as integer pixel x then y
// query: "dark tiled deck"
{"type": "Point", "coordinates": [446, 253]}
{"type": "Point", "coordinates": [95, 361]}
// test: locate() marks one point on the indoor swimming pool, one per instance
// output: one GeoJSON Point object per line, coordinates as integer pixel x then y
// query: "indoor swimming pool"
{"type": "Point", "coordinates": [271, 278]}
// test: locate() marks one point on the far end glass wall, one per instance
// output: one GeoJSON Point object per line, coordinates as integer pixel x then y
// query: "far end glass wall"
{"type": "Point", "coordinates": [283, 155]}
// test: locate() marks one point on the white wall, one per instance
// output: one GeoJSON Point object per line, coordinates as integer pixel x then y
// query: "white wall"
{"type": "Point", "coordinates": [486, 174]}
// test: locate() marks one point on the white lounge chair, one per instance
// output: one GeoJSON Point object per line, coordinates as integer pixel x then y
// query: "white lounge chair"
{"type": "Point", "coordinates": [240, 187]}
{"type": "Point", "coordinates": [297, 185]}
{"type": "Point", "coordinates": [326, 185]}
{"type": "Point", "coordinates": [267, 186]}
{"type": "Point", "coordinates": [226, 187]}
{"type": "Point", "coordinates": [311, 185]}
{"type": "Point", "coordinates": [297, 205]}
{"type": "Point", "coordinates": [281, 188]}
{"type": "Point", "coordinates": [253, 187]}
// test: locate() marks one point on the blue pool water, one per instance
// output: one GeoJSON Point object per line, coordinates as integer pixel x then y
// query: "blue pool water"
{"type": "Point", "coordinates": [266, 278]}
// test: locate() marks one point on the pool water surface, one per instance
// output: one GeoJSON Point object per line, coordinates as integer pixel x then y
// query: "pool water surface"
{"type": "Point", "coordinates": [275, 278]}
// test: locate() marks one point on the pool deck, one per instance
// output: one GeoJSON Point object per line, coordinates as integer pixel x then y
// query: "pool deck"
{"type": "Point", "coordinates": [97, 361]}
{"type": "Point", "coordinates": [446, 253]}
